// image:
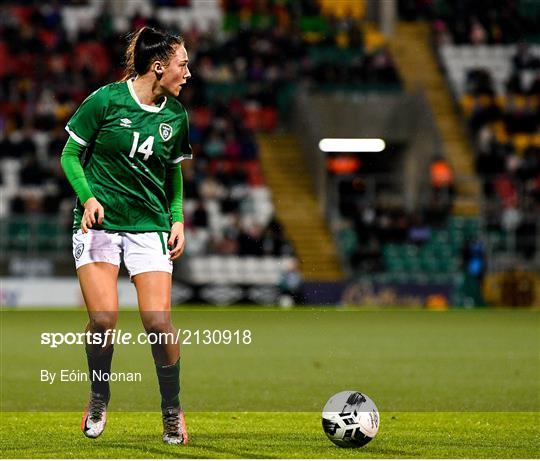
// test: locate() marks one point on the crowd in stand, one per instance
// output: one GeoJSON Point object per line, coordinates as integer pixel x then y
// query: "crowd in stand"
{"type": "Point", "coordinates": [504, 120]}
{"type": "Point", "coordinates": [46, 73]}
{"type": "Point", "coordinates": [506, 131]}
{"type": "Point", "coordinates": [475, 22]}
{"type": "Point", "coordinates": [271, 44]}
{"type": "Point", "coordinates": [370, 222]}
{"type": "Point", "coordinates": [43, 78]}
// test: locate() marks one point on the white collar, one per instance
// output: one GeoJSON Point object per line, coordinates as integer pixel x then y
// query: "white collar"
{"type": "Point", "coordinates": [145, 107]}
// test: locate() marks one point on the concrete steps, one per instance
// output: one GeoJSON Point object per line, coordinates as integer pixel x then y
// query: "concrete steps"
{"type": "Point", "coordinates": [417, 65]}
{"type": "Point", "coordinates": [297, 208]}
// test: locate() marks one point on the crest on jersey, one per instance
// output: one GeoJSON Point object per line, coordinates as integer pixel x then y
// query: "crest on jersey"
{"type": "Point", "coordinates": [165, 131]}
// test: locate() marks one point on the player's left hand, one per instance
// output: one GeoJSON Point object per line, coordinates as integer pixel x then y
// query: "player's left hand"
{"type": "Point", "coordinates": [176, 240]}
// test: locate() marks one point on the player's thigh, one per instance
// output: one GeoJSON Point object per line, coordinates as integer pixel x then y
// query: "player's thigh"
{"type": "Point", "coordinates": [153, 291]}
{"type": "Point", "coordinates": [98, 283]}
{"type": "Point", "coordinates": [147, 259]}
{"type": "Point", "coordinates": [97, 259]}
{"type": "Point", "coordinates": [154, 297]}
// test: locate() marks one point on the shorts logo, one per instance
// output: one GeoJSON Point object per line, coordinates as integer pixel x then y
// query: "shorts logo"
{"type": "Point", "coordinates": [165, 131]}
{"type": "Point", "coordinates": [78, 251]}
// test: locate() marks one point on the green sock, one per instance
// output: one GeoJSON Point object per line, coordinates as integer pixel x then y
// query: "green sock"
{"type": "Point", "coordinates": [169, 384]}
{"type": "Point", "coordinates": [99, 365]}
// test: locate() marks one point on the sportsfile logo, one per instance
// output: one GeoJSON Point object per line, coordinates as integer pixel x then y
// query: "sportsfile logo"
{"type": "Point", "coordinates": [184, 337]}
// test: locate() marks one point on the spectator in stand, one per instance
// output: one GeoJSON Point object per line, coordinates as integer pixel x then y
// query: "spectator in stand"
{"type": "Point", "coordinates": [478, 35]}
{"type": "Point", "coordinates": [290, 285]}
{"type": "Point", "coordinates": [442, 179]}
{"type": "Point", "coordinates": [478, 22]}
{"type": "Point", "coordinates": [474, 265]}
{"type": "Point", "coordinates": [419, 232]}
{"type": "Point", "coordinates": [250, 241]}
{"type": "Point", "coordinates": [517, 288]}
{"type": "Point", "coordinates": [31, 173]}
{"type": "Point", "coordinates": [200, 216]}
{"type": "Point", "coordinates": [367, 257]}
{"type": "Point", "coordinates": [524, 58]}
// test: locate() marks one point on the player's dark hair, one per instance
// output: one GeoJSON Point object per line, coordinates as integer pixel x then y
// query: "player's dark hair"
{"type": "Point", "coordinates": [147, 45]}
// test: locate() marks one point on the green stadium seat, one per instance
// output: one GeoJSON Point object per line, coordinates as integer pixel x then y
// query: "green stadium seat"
{"type": "Point", "coordinates": [347, 241]}
{"type": "Point", "coordinates": [419, 278]}
{"type": "Point", "coordinates": [18, 233]}
{"type": "Point", "coordinates": [411, 264]}
{"type": "Point", "coordinates": [395, 265]}
{"type": "Point", "coordinates": [440, 278]}
{"type": "Point", "coordinates": [381, 278]}
{"type": "Point", "coordinates": [314, 24]}
{"type": "Point", "coordinates": [440, 236]}
{"type": "Point", "coordinates": [333, 54]}
{"type": "Point", "coordinates": [410, 251]}
{"type": "Point", "coordinates": [429, 264]}
{"type": "Point", "coordinates": [399, 277]}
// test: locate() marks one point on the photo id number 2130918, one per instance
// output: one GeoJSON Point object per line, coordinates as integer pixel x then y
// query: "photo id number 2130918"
{"type": "Point", "coordinates": [216, 337]}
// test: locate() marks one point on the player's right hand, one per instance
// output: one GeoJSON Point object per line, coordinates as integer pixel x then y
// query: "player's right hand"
{"type": "Point", "coordinates": [92, 208]}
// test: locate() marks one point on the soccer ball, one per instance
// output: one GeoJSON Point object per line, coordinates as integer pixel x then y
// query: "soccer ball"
{"type": "Point", "coordinates": [350, 419]}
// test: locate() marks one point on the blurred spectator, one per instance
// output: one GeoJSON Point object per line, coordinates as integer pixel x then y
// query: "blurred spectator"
{"type": "Point", "coordinates": [524, 59]}
{"type": "Point", "coordinates": [31, 173]}
{"type": "Point", "coordinates": [517, 288]}
{"type": "Point", "coordinates": [367, 258]}
{"type": "Point", "coordinates": [250, 241]}
{"type": "Point", "coordinates": [474, 266]}
{"type": "Point", "coordinates": [290, 285]}
{"type": "Point", "coordinates": [442, 180]}
{"type": "Point", "coordinates": [419, 232]}
{"type": "Point", "coordinates": [476, 22]}
{"type": "Point", "coordinates": [478, 34]}
{"type": "Point", "coordinates": [199, 217]}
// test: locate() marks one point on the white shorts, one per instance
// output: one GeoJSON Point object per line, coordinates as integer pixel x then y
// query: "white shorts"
{"type": "Point", "coordinates": [143, 251]}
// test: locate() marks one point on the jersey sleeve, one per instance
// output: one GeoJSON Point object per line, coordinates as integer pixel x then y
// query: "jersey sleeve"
{"type": "Point", "coordinates": [182, 148]}
{"type": "Point", "coordinates": [86, 121]}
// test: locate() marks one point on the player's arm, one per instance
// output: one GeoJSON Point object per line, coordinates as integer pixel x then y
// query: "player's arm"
{"type": "Point", "coordinates": [82, 128]}
{"type": "Point", "coordinates": [71, 164]}
{"type": "Point", "coordinates": [175, 192]}
{"type": "Point", "coordinates": [175, 195]}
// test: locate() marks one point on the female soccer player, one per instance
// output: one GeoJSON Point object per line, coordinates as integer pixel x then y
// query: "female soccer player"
{"type": "Point", "coordinates": [133, 134]}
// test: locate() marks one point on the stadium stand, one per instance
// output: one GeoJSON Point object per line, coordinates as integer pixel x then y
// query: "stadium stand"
{"type": "Point", "coordinates": [228, 208]}
{"type": "Point", "coordinates": [52, 56]}
{"type": "Point", "coordinates": [490, 55]}
{"type": "Point", "coordinates": [494, 77]}
{"type": "Point", "coordinates": [497, 84]}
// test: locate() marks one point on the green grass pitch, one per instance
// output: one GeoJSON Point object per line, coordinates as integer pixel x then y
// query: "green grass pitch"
{"type": "Point", "coordinates": [448, 384]}
{"type": "Point", "coordinates": [273, 435]}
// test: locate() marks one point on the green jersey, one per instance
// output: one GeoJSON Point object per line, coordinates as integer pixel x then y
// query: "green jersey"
{"type": "Point", "coordinates": [130, 147]}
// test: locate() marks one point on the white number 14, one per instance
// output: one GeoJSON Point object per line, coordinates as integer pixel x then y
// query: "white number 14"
{"type": "Point", "coordinates": [145, 148]}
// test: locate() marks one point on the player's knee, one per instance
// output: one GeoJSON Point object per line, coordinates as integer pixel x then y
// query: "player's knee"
{"type": "Point", "coordinates": [157, 324]}
{"type": "Point", "coordinates": [103, 321]}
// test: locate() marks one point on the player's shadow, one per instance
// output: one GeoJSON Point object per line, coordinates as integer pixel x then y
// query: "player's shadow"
{"type": "Point", "coordinates": [245, 439]}
{"type": "Point", "coordinates": [170, 452]}
{"type": "Point", "coordinates": [238, 453]}
{"type": "Point", "coordinates": [196, 443]}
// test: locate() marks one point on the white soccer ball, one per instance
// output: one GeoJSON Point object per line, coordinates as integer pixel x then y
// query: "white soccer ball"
{"type": "Point", "coordinates": [350, 419]}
